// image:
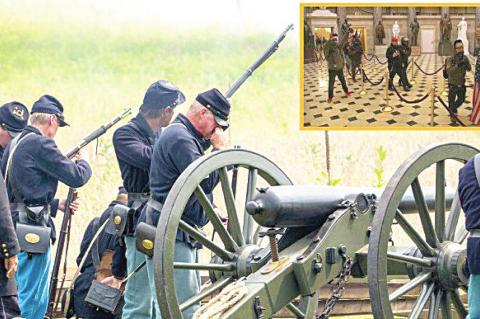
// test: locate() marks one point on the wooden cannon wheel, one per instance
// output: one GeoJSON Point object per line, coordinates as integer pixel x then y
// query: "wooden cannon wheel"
{"type": "Point", "coordinates": [238, 240]}
{"type": "Point", "coordinates": [436, 262]}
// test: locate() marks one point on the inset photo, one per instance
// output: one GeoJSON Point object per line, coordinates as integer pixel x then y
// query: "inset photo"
{"type": "Point", "coordinates": [390, 67]}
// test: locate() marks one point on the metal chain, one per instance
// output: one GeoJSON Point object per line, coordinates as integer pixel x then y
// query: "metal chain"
{"type": "Point", "coordinates": [337, 290]}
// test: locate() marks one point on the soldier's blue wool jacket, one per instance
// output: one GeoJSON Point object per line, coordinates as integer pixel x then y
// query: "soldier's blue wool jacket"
{"type": "Point", "coordinates": [177, 147]}
{"type": "Point", "coordinates": [133, 143]}
{"type": "Point", "coordinates": [469, 193]}
{"type": "Point", "coordinates": [8, 242]}
{"type": "Point", "coordinates": [37, 167]}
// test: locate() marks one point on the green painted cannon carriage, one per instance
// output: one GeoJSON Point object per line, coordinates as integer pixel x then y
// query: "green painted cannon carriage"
{"type": "Point", "coordinates": [319, 235]}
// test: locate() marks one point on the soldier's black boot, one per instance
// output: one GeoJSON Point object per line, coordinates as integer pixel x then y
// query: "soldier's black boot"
{"type": "Point", "coordinates": [390, 85]}
{"type": "Point", "coordinates": [406, 88]}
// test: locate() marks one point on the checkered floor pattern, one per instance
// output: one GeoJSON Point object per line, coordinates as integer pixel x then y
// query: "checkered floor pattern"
{"type": "Point", "coordinates": [366, 110]}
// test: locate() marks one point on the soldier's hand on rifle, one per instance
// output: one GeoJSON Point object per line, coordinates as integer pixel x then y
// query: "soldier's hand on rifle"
{"type": "Point", "coordinates": [82, 155]}
{"type": "Point", "coordinates": [218, 139]}
{"type": "Point", "coordinates": [11, 265]}
{"type": "Point", "coordinates": [73, 205]}
{"type": "Point", "coordinates": [113, 282]}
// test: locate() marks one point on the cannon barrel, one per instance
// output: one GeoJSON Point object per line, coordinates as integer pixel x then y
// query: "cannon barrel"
{"type": "Point", "coordinates": [300, 206]}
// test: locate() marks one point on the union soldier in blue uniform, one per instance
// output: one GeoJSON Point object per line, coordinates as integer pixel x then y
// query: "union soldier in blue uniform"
{"type": "Point", "coordinates": [13, 119]}
{"type": "Point", "coordinates": [469, 193]}
{"type": "Point", "coordinates": [133, 145]}
{"type": "Point", "coordinates": [181, 143]}
{"type": "Point", "coordinates": [106, 254]}
{"type": "Point", "coordinates": [35, 167]}
{"type": "Point", "coordinates": [9, 307]}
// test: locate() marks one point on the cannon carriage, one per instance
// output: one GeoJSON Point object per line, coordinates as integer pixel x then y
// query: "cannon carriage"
{"type": "Point", "coordinates": [319, 235]}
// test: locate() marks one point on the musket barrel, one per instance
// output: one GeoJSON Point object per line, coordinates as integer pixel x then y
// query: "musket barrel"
{"type": "Point", "coordinates": [298, 206]}
{"type": "Point", "coordinates": [273, 47]}
{"type": "Point", "coordinates": [97, 133]}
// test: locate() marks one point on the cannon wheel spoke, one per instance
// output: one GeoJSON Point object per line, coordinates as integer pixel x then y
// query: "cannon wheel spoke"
{"type": "Point", "coordinates": [435, 304]}
{"type": "Point", "coordinates": [458, 304]}
{"type": "Point", "coordinates": [409, 259]}
{"type": "Point", "coordinates": [217, 224]}
{"type": "Point", "coordinates": [424, 214]}
{"type": "Point", "coordinates": [422, 300]}
{"type": "Point", "coordinates": [248, 221]}
{"type": "Point", "coordinates": [415, 282]}
{"type": "Point", "coordinates": [446, 305]}
{"type": "Point", "coordinates": [198, 266]}
{"type": "Point", "coordinates": [452, 222]}
{"type": "Point", "coordinates": [202, 239]}
{"type": "Point", "coordinates": [440, 200]}
{"type": "Point", "coordinates": [424, 247]}
{"type": "Point", "coordinates": [233, 222]}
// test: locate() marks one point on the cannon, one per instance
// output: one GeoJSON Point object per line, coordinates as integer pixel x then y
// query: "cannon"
{"type": "Point", "coordinates": [319, 235]}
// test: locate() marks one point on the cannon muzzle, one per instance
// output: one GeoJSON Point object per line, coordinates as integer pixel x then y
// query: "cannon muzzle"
{"type": "Point", "coordinates": [300, 206]}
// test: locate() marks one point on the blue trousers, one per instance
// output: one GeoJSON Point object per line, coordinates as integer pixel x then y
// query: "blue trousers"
{"type": "Point", "coordinates": [138, 299]}
{"type": "Point", "coordinates": [474, 297]}
{"type": "Point", "coordinates": [33, 284]}
{"type": "Point", "coordinates": [187, 282]}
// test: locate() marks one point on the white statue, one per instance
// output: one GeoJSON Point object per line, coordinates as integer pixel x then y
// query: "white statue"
{"type": "Point", "coordinates": [462, 34]}
{"type": "Point", "coordinates": [396, 30]}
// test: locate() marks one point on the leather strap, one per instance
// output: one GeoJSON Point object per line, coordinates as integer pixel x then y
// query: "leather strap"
{"type": "Point", "coordinates": [138, 199]}
{"type": "Point", "coordinates": [152, 204]}
{"type": "Point", "coordinates": [8, 170]}
{"type": "Point", "coordinates": [95, 249]}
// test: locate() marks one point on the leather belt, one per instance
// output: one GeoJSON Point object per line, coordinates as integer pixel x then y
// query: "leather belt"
{"type": "Point", "coordinates": [155, 204]}
{"type": "Point", "coordinates": [138, 199]}
{"type": "Point", "coordinates": [138, 196]}
{"type": "Point", "coordinates": [474, 233]}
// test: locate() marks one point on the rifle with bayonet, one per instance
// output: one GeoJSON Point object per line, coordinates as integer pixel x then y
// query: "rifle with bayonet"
{"type": "Point", "coordinates": [64, 235]}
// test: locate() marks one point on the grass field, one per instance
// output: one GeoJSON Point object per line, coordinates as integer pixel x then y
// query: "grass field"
{"type": "Point", "coordinates": [97, 71]}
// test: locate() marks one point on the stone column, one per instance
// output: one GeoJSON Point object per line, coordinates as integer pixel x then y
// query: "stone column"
{"type": "Point", "coordinates": [342, 15]}
{"type": "Point", "coordinates": [412, 12]}
{"type": "Point", "coordinates": [377, 17]}
{"type": "Point", "coordinates": [476, 43]}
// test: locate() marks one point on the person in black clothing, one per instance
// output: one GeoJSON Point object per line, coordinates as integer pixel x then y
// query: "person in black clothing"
{"type": "Point", "coordinates": [405, 52]}
{"type": "Point", "coordinates": [13, 119]}
{"type": "Point", "coordinates": [9, 307]}
{"type": "Point", "coordinates": [106, 252]}
{"type": "Point", "coordinates": [395, 64]}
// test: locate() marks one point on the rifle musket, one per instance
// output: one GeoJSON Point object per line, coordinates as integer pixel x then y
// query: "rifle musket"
{"type": "Point", "coordinates": [265, 56]}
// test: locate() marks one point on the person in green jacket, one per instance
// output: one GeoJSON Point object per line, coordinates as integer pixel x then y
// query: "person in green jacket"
{"type": "Point", "coordinates": [455, 69]}
{"type": "Point", "coordinates": [334, 56]}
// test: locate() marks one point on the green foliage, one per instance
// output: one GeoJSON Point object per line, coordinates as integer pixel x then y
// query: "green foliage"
{"type": "Point", "coordinates": [313, 152]}
{"type": "Point", "coordinates": [381, 155]}
{"type": "Point", "coordinates": [323, 179]}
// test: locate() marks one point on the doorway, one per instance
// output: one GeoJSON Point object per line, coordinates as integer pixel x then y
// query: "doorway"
{"type": "Point", "coordinates": [427, 40]}
{"type": "Point", "coordinates": [362, 32]}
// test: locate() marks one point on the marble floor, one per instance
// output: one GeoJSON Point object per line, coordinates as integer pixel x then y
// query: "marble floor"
{"type": "Point", "coordinates": [366, 110]}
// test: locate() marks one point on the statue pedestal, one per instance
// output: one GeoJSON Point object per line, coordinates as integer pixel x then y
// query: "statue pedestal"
{"type": "Point", "coordinates": [416, 50]}
{"type": "Point", "coordinates": [380, 49]}
{"type": "Point", "coordinates": [445, 48]}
